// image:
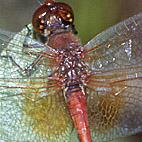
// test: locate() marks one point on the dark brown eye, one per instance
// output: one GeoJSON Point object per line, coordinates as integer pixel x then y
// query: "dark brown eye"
{"type": "Point", "coordinates": [65, 12]}
{"type": "Point", "coordinates": [52, 16]}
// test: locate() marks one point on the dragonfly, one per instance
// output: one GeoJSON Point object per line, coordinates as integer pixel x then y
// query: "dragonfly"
{"type": "Point", "coordinates": [52, 87]}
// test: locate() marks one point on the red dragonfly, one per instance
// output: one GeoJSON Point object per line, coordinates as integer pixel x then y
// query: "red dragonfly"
{"type": "Point", "coordinates": [50, 84]}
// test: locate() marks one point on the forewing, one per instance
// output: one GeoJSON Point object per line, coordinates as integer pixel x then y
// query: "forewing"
{"type": "Point", "coordinates": [119, 47]}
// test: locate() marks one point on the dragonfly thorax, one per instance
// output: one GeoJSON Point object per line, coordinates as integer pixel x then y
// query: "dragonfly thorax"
{"type": "Point", "coordinates": [71, 69]}
{"type": "Point", "coordinates": [72, 65]}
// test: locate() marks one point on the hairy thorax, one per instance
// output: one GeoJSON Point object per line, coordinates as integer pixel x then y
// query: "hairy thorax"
{"type": "Point", "coordinates": [71, 68]}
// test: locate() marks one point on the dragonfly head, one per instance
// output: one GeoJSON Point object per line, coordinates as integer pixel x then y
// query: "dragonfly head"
{"type": "Point", "coordinates": [52, 17]}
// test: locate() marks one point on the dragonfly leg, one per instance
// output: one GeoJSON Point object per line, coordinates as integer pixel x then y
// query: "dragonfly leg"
{"type": "Point", "coordinates": [28, 35]}
{"type": "Point", "coordinates": [74, 29]}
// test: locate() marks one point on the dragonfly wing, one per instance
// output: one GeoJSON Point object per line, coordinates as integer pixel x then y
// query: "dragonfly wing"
{"type": "Point", "coordinates": [23, 119]}
{"type": "Point", "coordinates": [119, 47]}
{"type": "Point", "coordinates": [114, 88]}
{"type": "Point", "coordinates": [22, 67]}
{"type": "Point", "coordinates": [32, 105]}
{"type": "Point", "coordinates": [114, 107]}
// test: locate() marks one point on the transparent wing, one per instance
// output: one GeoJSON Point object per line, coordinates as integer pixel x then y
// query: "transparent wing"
{"type": "Point", "coordinates": [44, 119]}
{"type": "Point", "coordinates": [119, 47]}
{"type": "Point", "coordinates": [114, 88]}
{"type": "Point", "coordinates": [24, 53]}
{"type": "Point", "coordinates": [114, 107]}
{"type": "Point", "coordinates": [32, 105]}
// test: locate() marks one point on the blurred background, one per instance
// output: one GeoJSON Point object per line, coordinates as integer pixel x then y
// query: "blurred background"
{"type": "Point", "coordinates": [91, 18]}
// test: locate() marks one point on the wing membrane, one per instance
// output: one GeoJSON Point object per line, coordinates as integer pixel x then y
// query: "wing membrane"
{"type": "Point", "coordinates": [45, 119]}
{"type": "Point", "coordinates": [115, 109]}
{"type": "Point", "coordinates": [119, 47]}
{"type": "Point", "coordinates": [114, 87]}
{"type": "Point", "coordinates": [32, 105]}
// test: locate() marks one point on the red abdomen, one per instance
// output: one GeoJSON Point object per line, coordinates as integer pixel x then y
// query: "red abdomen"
{"type": "Point", "coordinates": [77, 105]}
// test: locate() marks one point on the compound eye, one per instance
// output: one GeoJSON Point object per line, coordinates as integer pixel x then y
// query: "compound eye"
{"type": "Point", "coordinates": [66, 16]}
{"type": "Point", "coordinates": [39, 18]}
{"type": "Point", "coordinates": [51, 16]}
{"type": "Point", "coordinates": [65, 13]}
{"type": "Point", "coordinates": [42, 15]}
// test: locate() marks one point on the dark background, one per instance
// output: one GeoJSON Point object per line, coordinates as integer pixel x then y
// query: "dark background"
{"type": "Point", "coordinates": [91, 17]}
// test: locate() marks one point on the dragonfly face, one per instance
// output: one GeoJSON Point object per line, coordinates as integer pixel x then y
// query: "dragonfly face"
{"type": "Point", "coordinates": [49, 84]}
{"type": "Point", "coordinates": [51, 17]}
